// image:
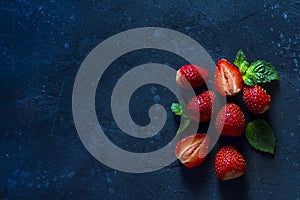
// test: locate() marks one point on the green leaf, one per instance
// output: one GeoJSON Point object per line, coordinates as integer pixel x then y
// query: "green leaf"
{"type": "Point", "coordinates": [182, 127]}
{"type": "Point", "coordinates": [176, 108]}
{"type": "Point", "coordinates": [239, 58]}
{"type": "Point", "coordinates": [180, 109]}
{"type": "Point", "coordinates": [249, 80]}
{"type": "Point", "coordinates": [260, 71]}
{"type": "Point", "coordinates": [243, 67]}
{"type": "Point", "coordinates": [260, 136]}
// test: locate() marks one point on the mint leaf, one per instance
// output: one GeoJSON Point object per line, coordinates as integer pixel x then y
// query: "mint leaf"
{"type": "Point", "coordinates": [249, 80]}
{"type": "Point", "coordinates": [260, 71]}
{"type": "Point", "coordinates": [260, 136]}
{"type": "Point", "coordinates": [239, 58]}
{"type": "Point", "coordinates": [176, 108]}
{"type": "Point", "coordinates": [243, 67]}
{"type": "Point", "coordinates": [181, 109]}
{"type": "Point", "coordinates": [182, 127]}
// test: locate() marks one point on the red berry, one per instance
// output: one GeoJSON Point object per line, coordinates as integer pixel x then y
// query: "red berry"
{"type": "Point", "coordinates": [230, 120]}
{"type": "Point", "coordinates": [192, 150]}
{"type": "Point", "coordinates": [191, 76]}
{"type": "Point", "coordinates": [256, 99]}
{"type": "Point", "coordinates": [202, 106]}
{"type": "Point", "coordinates": [229, 163]}
{"type": "Point", "coordinates": [227, 79]}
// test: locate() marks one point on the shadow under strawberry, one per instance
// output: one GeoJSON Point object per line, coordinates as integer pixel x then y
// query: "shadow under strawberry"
{"type": "Point", "coordinates": [235, 189]}
{"type": "Point", "coordinates": [272, 88]}
{"type": "Point", "coordinates": [238, 99]}
{"type": "Point", "coordinates": [239, 142]}
{"type": "Point", "coordinates": [203, 172]}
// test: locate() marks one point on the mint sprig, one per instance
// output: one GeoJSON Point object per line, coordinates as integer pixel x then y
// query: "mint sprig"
{"type": "Point", "coordinates": [181, 110]}
{"type": "Point", "coordinates": [239, 58]}
{"type": "Point", "coordinates": [176, 109]}
{"type": "Point", "coordinates": [183, 126]}
{"type": "Point", "coordinates": [241, 61]}
{"type": "Point", "coordinates": [259, 71]}
{"type": "Point", "coordinates": [260, 136]}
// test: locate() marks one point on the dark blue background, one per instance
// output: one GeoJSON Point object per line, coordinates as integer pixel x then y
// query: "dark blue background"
{"type": "Point", "coordinates": [43, 43]}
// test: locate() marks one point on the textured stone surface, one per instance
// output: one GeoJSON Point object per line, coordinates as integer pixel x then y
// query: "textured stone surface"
{"type": "Point", "coordinates": [42, 44]}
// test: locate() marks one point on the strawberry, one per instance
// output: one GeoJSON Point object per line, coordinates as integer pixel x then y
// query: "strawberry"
{"type": "Point", "coordinates": [229, 163]}
{"type": "Point", "coordinates": [230, 120]}
{"type": "Point", "coordinates": [191, 76]}
{"type": "Point", "coordinates": [256, 99]}
{"type": "Point", "coordinates": [202, 106]}
{"type": "Point", "coordinates": [227, 79]}
{"type": "Point", "coordinates": [192, 150]}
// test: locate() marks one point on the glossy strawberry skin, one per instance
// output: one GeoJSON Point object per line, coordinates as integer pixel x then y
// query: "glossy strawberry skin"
{"type": "Point", "coordinates": [202, 106]}
{"type": "Point", "coordinates": [256, 99]}
{"type": "Point", "coordinates": [227, 78]}
{"type": "Point", "coordinates": [192, 150]}
{"type": "Point", "coordinates": [191, 76]}
{"type": "Point", "coordinates": [230, 120]}
{"type": "Point", "coordinates": [229, 163]}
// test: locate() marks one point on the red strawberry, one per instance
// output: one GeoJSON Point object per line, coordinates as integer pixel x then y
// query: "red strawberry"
{"type": "Point", "coordinates": [229, 163]}
{"type": "Point", "coordinates": [191, 76]}
{"type": "Point", "coordinates": [230, 120]}
{"type": "Point", "coordinates": [227, 79]}
{"type": "Point", "coordinates": [192, 150]}
{"type": "Point", "coordinates": [256, 99]}
{"type": "Point", "coordinates": [201, 107]}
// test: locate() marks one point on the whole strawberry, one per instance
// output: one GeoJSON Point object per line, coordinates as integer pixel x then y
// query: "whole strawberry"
{"type": "Point", "coordinates": [192, 150]}
{"type": "Point", "coordinates": [256, 99]}
{"type": "Point", "coordinates": [202, 106]}
{"type": "Point", "coordinates": [230, 120]}
{"type": "Point", "coordinates": [191, 76]}
{"type": "Point", "coordinates": [229, 163]}
{"type": "Point", "coordinates": [227, 78]}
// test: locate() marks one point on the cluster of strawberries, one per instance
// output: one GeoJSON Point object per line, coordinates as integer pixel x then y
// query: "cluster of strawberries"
{"type": "Point", "coordinates": [230, 120]}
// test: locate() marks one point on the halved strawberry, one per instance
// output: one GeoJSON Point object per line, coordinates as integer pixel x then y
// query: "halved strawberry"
{"type": "Point", "coordinates": [191, 76]}
{"type": "Point", "coordinates": [202, 106]}
{"type": "Point", "coordinates": [227, 78]}
{"type": "Point", "coordinates": [229, 163]}
{"type": "Point", "coordinates": [192, 150]}
{"type": "Point", "coordinates": [230, 120]}
{"type": "Point", "coordinates": [256, 99]}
